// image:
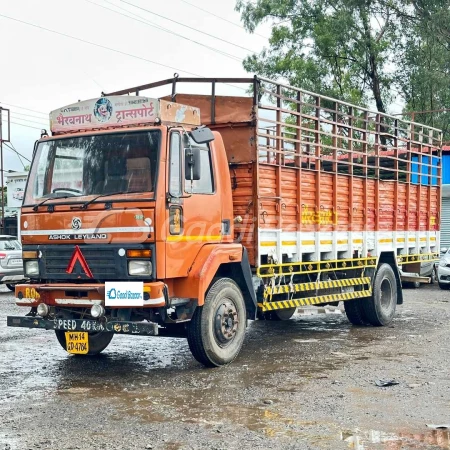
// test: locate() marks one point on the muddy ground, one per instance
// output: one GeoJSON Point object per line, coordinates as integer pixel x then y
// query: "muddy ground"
{"type": "Point", "coordinates": [308, 383]}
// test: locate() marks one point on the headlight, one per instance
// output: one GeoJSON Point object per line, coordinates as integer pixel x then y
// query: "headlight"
{"type": "Point", "coordinates": [97, 311]}
{"type": "Point", "coordinates": [139, 268]}
{"type": "Point", "coordinates": [442, 262]}
{"type": "Point", "coordinates": [43, 310]}
{"type": "Point", "coordinates": [31, 268]}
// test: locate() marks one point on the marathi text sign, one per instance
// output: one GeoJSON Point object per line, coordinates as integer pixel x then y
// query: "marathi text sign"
{"type": "Point", "coordinates": [104, 112]}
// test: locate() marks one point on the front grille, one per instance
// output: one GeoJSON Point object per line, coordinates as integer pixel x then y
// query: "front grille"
{"type": "Point", "coordinates": [101, 262]}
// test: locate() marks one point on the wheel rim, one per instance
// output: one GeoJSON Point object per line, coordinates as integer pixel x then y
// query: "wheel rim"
{"type": "Point", "coordinates": [386, 294]}
{"type": "Point", "coordinates": [226, 323]}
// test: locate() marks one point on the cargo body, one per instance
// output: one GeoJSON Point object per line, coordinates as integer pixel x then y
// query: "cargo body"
{"type": "Point", "coordinates": [291, 199]}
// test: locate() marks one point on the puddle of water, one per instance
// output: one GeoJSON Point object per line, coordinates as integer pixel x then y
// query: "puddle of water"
{"type": "Point", "coordinates": [404, 440]}
{"type": "Point", "coordinates": [155, 405]}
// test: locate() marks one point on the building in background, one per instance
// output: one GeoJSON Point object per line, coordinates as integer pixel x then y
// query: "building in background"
{"type": "Point", "coordinates": [445, 208]}
{"type": "Point", "coordinates": [16, 182]}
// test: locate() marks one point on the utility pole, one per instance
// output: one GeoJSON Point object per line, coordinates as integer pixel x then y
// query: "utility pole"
{"type": "Point", "coordinates": [4, 137]}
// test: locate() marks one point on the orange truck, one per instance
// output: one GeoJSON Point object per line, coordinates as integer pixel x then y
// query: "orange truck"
{"type": "Point", "coordinates": [188, 214]}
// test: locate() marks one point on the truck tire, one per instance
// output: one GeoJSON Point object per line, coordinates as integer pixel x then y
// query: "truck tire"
{"type": "Point", "coordinates": [217, 329]}
{"type": "Point", "coordinates": [97, 341]}
{"type": "Point", "coordinates": [355, 312]}
{"type": "Point", "coordinates": [380, 308]}
{"type": "Point", "coordinates": [280, 314]}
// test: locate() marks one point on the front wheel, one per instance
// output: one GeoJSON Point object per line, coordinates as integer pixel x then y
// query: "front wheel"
{"type": "Point", "coordinates": [97, 341]}
{"type": "Point", "coordinates": [380, 308]}
{"type": "Point", "coordinates": [217, 329]}
{"type": "Point", "coordinates": [444, 286]}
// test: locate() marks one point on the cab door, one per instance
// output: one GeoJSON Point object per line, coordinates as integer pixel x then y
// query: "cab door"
{"type": "Point", "coordinates": [194, 212]}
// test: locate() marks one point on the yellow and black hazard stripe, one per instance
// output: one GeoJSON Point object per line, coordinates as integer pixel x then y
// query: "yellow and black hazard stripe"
{"type": "Point", "coordinates": [282, 304]}
{"type": "Point", "coordinates": [301, 287]}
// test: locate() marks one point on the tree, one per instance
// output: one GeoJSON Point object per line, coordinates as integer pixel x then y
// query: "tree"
{"type": "Point", "coordinates": [340, 48]}
{"type": "Point", "coordinates": [424, 80]}
{"type": "Point", "coordinates": [358, 50]}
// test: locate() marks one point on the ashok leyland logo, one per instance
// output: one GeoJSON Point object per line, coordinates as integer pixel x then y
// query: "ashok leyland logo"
{"type": "Point", "coordinates": [76, 223]}
{"type": "Point", "coordinates": [124, 294]}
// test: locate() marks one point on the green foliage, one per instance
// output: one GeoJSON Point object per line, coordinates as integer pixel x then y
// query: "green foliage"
{"type": "Point", "coordinates": [339, 48]}
{"type": "Point", "coordinates": [424, 80]}
{"type": "Point", "coordinates": [362, 51]}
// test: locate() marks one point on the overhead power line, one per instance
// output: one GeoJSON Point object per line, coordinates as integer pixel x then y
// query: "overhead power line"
{"type": "Point", "coordinates": [187, 26]}
{"type": "Point", "coordinates": [106, 48]}
{"type": "Point", "coordinates": [43, 123]}
{"type": "Point", "coordinates": [98, 45]}
{"type": "Point", "coordinates": [221, 18]}
{"type": "Point", "coordinates": [19, 155]}
{"type": "Point", "coordinates": [29, 115]}
{"type": "Point", "coordinates": [151, 24]}
{"type": "Point", "coordinates": [20, 159]}
{"type": "Point", "coordinates": [28, 126]}
{"type": "Point", "coordinates": [22, 107]}
{"type": "Point", "coordinates": [10, 144]}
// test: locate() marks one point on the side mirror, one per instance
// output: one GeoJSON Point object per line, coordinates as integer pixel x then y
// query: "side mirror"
{"type": "Point", "coordinates": [202, 135]}
{"type": "Point", "coordinates": [192, 166]}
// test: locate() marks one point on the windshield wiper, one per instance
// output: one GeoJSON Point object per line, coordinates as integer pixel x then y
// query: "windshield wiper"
{"type": "Point", "coordinates": [36, 207]}
{"type": "Point", "coordinates": [92, 200]}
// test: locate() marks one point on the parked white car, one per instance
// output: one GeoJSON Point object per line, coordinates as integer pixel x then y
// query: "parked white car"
{"type": "Point", "coordinates": [11, 266]}
{"type": "Point", "coordinates": [443, 271]}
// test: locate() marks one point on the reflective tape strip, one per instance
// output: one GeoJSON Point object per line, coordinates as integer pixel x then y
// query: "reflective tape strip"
{"type": "Point", "coordinates": [301, 287]}
{"type": "Point", "coordinates": [88, 231]}
{"type": "Point", "coordinates": [77, 302]}
{"type": "Point", "coordinates": [283, 304]}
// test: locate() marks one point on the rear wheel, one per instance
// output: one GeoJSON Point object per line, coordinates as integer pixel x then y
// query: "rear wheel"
{"type": "Point", "coordinates": [217, 329]}
{"type": "Point", "coordinates": [355, 312]}
{"type": "Point", "coordinates": [380, 308]}
{"type": "Point", "coordinates": [97, 341]}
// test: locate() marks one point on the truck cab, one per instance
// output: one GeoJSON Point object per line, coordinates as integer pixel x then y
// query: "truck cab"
{"type": "Point", "coordinates": [119, 211]}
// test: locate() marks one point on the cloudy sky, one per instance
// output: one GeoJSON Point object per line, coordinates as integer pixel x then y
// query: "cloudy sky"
{"type": "Point", "coordinates": [93, 47]}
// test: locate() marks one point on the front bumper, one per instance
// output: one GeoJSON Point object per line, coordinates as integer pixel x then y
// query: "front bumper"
{"type": "Point", "coordinates": [117, 327]}
{"type": "Point", "coordinates": [81, 295]}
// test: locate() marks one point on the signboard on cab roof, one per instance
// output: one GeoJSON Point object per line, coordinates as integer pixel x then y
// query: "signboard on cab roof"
{"type": "Point", "coordinates": [117, 111]}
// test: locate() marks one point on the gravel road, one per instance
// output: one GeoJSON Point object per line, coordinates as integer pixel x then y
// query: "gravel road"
{"type": "Point", "coordinates": [308, 383]}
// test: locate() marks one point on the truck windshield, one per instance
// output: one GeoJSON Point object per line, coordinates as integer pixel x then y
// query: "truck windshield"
{"type": "Point", "coordinates": [94, 165]}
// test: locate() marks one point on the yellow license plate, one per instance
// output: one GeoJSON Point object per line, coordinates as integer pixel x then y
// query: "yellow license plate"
{"type": "Point", "coordinates": [77, 342]}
